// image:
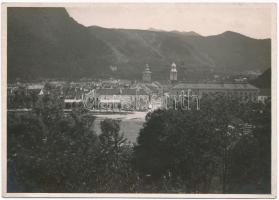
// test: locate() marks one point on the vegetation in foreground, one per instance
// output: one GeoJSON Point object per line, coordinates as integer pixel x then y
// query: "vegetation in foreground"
{"type": "Point", "coordinates": [225, 147]}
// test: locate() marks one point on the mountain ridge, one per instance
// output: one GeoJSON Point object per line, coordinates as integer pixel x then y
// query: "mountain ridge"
{"type": "Point", "coordinates": [49, 43]}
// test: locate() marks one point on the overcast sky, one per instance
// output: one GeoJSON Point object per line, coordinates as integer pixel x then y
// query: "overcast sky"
{"type": "Point", "coordinates": [254, 20]}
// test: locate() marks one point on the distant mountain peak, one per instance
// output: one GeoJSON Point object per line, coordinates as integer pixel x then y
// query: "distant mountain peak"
{"type": "Point", "coordinates": [232, 33]}
{"type": "Point", "coordinates": [188, 33]}
{"type": "Point", "coordinates": [156, 30]}
{"type": "Point", "coordinates": [228, 34]}
{"type": "Point", "coordinates": [236, 35]}
{"type": "Point", "coordinates": [71, 50]}
{"type": "Point", "coordinates": [193, 33]}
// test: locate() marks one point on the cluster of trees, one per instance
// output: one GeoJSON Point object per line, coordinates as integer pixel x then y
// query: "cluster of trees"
{"type": "Point", "coordinates": [21, 99]}
{"type": "Point", "coordinates": [225, 147]}
{"type": "Point", "coordinates": [49, 151]}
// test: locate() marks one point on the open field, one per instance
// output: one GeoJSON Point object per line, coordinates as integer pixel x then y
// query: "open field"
{"type": "Point", "coordinates": [130, 124]}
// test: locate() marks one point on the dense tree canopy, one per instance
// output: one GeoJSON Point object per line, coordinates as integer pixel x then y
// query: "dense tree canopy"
{"type": "Point", "coordinates": [53, 152]}
{"type": "Point", "coordinates": [225, 143]}
{"type": "Point", "coordinates": [225, 147]}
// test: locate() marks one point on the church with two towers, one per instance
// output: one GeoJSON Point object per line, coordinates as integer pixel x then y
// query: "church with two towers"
{"type": "Point", "coordinates": [146, 74]}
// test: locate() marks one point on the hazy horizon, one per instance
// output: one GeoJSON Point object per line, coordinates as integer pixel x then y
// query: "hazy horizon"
{"type": "Point", "coordinates": [252, 20]}
{"type": "Point", "coordinates": [191, 31]}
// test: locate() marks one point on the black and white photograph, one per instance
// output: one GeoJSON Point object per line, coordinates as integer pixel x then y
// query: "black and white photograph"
{"type": "Point", "coordinates": [152, 99]}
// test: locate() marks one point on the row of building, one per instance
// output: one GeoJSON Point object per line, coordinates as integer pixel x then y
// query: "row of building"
{"type": "Point", "coordinates": [125, 95]}
{"type": "Point", "coordinates": [238, 90]}
{"type": "Point", "coordinates": [139, 99]}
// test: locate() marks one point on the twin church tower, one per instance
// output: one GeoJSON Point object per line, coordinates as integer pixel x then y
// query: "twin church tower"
{"type": "Point", "coordinates": [146, 74]}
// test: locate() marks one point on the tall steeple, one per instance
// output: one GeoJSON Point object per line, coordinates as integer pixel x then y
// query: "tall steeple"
{"type": "Point", "coordinates": [146, 74]}
{"type": "Point", "coordinates": [173, 73]}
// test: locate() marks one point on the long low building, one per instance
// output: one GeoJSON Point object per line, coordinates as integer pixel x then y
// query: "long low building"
{"type": "Point", "coordinates": [237, 90]}
{"type": "Point", "coordinates": [130, 99]}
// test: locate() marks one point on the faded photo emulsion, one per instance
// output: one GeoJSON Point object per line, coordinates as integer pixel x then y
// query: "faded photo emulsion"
{"type": "Point", "coordinates": [134, 98]}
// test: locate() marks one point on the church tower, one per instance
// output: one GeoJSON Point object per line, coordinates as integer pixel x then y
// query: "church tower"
{"type": "Point", "coordinates": [146, 74]}
{"type": "Point", "coordinates": [173, 73]}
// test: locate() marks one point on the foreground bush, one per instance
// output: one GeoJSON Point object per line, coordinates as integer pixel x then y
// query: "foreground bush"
{"type": "Point", "coordinates": [178, 151]}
